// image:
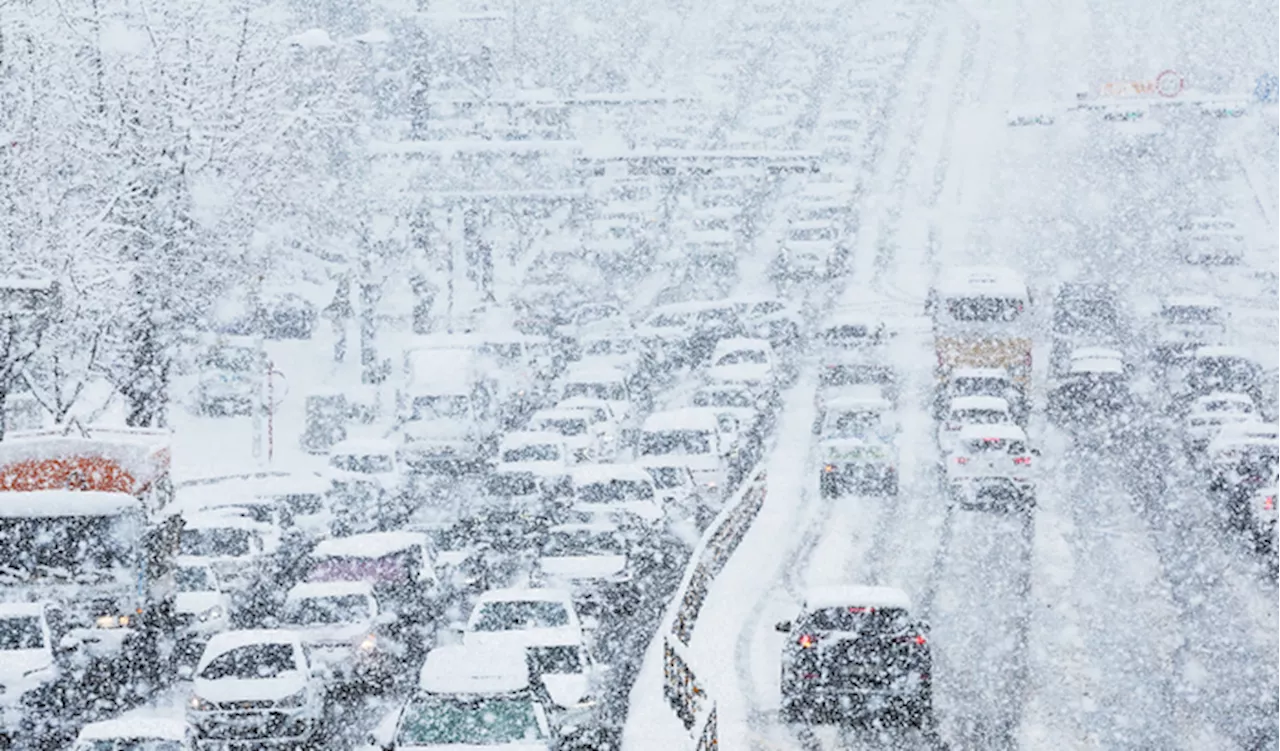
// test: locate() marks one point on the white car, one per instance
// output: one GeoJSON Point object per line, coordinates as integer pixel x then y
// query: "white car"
{"type": "Point", "coordinates": [591, 561]}
{"type": "Point", "coordinates": [607, 383]}
{"type": "Point", "coordinates": [1209, 413]}
{"type": "Point", "coordinates": [693, 437]}
{"type": "Point", "coordinates": [971, 410]}
{"type": "Point", "coordinates": [858, 446]}
{"type": "Point", "coordinates": [853, 330]}
{"type": "Point", "coordinates": [1241, 452]}
{"type": "Point", "coordinates": [522, 617]}
{"type": "Point", "coordinates": [621, 493]}
{"type": "Point", "coordinates": [345, 630]}
{"type": "Point", "coordinates": [1211, 239]}
{"type": "Point", "coordinates": [984, 452]}
{"type": "Point", "coordinates": [27, 664]}
{"type": "Point", "coordinates": [977, 382]}
{"type": "Point", "coordinates": [586, 438]}
{"type": "Point", "coordinates": [486, 696]}
{"type": "Point", "coordinates": [811, 249]}
{"type": "Point", "coordinates": [232, 546]}
{"type": "Point", "coordinates": [604, 422]}
{"type": "Point", "coordinates": [255, 685]}
{"type": "Point", "coordinates": [732, 400]}
{"type": "Point", "coordinates": [201, 605]}
{"type": "Point", "coordinates": [748, 361]}
{"type": "Point", "coordinates": [1185, 323]}
{"type": "Point", "coordinates": [133, 733]}
{"type": "Point", "coordinates": [364, 476]}
{"type": "Point", "coordinates": [771, 319]}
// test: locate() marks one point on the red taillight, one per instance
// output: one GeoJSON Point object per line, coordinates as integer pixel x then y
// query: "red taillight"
{"type": "Point", "coordinates": [1022, 460]}
{"type": "Point", "coordinates": [918, 639]}
{"type": "Point", "coordinates": [962, 460]}
{"type": "Point", "coordinates": [1027, 359]}
{"type": "Point", "coordinates": [808, 641]}
{"type": "Point", "coordinates": [1269, 503]}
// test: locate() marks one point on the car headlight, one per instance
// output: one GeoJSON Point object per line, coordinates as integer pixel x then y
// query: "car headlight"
{"type": "Point", "coordinates": [295, 700]}
{"type": "Point", "coordinates": [212, 614]}
{"type": "Point", "coordinates": [112, 621]}
{"type": "Point", "coordinates": [197, 704]}
{"type": "Point", "coordinates": [369, 643]}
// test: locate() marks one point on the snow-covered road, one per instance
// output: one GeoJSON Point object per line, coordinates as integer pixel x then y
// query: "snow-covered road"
{"type": "Point", "coordinates": [1122, 614]}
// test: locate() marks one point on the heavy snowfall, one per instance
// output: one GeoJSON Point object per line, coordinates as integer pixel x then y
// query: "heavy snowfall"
{"type": "Point", "coordinates": [548, 376]}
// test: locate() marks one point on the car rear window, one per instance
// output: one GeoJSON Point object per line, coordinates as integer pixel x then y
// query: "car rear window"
{"type": "Point", "coordinates": [997, 446]}
{"type": "Point", "coordinates": [855, 618]}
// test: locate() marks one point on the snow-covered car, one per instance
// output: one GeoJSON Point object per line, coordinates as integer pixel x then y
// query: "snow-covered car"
{"type": "Point", "coordinates": [522, 617]}
{"type": "Point", "coordinates": [745, 361]}
{"type": "Point", "coordinates": [1261, 518]}
{"type": "Point", "coordinates": [986, 452]}
{"type": "Point", "coordinates": [1219, 368]}
{"type": "Point", "coordinates": [678, 491]}
{"type": "Point", "coordinates": [536, 451]}
{"type": "Point", "coordinates": [401, 566]}
{"type": "Point", "coordinates": [365, 483]}
{"type": "Point", "coordinates": [607, 383]}
{"type": "Point", "coordinates": [852, 330]}
{"type": "Point", "coordinates": [611, 349]}
{"type": "Point", "coordinates": [1093, 386]}
{"type": "Point", "coordinates": [601, 418]}
{"type": "Point", "coordinates": [665, 335]}
{"type": "Point", "coordinates": [255, 686]}
{"type": "Point", "coordinates": [840, 371]}
{"type": "Point", "coordinates": [1210, 239]}
{"type": "Point", "coordinates": [469, 699]}
{"type": "Point", "coordinates": [858, 447]}
{"type": "Point", "coordinates": [1187, 322]}
{"type": "Point", "coordinates": [345, 631]}
{"type": "Point", "coordinates": [29, 668]}
{"type": "Point", "coordinates": [1242, 453]}
{"type": "Point", "coordinates": [592, 562]}
{"type": "Point", "coordinates": [585, 438]}
{"type": "Point", "coordinates": [232, 546]}
{"type": "Point", "coordinates": [619, 493]}
{"type": "Point", "coordinates": [853, 649]}
{"type": "Point", "coordinates": [771, 319]}
{"type": "Point", "coordinates": [971, 410]}
{"type": "Point", "coordinates": [693, 437]}
{"type": "Point", "coordinates": [201, 606]}
{"type": "Point", "coordinates": [1207, 414]}
{"type": "Point", "coordinates": [811, 249]}
{"type": "Point", "coordinates": [132, 733]}
{"type": "Point", "coordinates": [735, 400]}
{"type": "Point", "coordinates": [979, 382]}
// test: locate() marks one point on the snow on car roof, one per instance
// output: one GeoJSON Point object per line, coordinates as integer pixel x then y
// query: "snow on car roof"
{"type": "Point", "coordinates": [1000, 373]}
{"type": "Point", "coordinates": [852, 318]}
{"type": "Point", "coordinates": [366, 446]}
{"type": "Point", "coordinates": [858, 403]}
{"type": "Point", "coordinates": [1097, 365]}
{"type": "Point", "coordinates": [802, 224]}
{"type": "Point", "coordinates": [981, 280]}
{"type": "Point", "coordinates": [462, 669]}
{"type": "Point", "coordinates": [220, 519]}
{"type": "Point", "coordinates": [135, 728]}
{"type": "Point", "coordinates": [980, 402]}
{"type": "Point", "coordinates": [1219, 350]}
{"type": "Point", "coordinates": [1096, 353]}
{"type": "Point", "coordinates": [1192, 301]}
{"type": "Point", "coordinates": [368, 545]}
{"type": "Point", "coordinates": [329, 589]}
{"type": "Point", "coordinates": [1003, 430]}
{"type": "Point", "coordinates": [594, 372]}
{"type": "Point", "coordinates": [601, 528]}
{"type": "Point", "coordinates": [585, 474]}
{"type": "Point", "coordinates": [21, 609]}
{"type": "Point", "coordinates": [530, 438]}
{"type": "Point", "coordinates": [225, 641]}
{"type": "Point", "coordinates": [46, 503]}
{"type": "Point", "coordinates": [567, 413]}
{"type": "Point", "coordinates": [857, 596]}
{"type": "Point", "coordinates": [686, 418]}
{"type": "Point", "coordinates": [527, 594]}
{"type": "Point", "coordinates": [738, 344]}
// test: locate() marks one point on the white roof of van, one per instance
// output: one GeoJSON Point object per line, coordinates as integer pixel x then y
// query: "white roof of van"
{"type": "Point", "coordinates": [369, 545]}
{"type": "Point", "coordinates": [21, 609]}
{"type": "Point", "coordinates": [981, 280]}
{"type": "Point", "coordinates": [857, 596]}
{"type": "Point", "coordinates": [1004, 430]}
{"type": "Point", "coordinates": [980, 402]}
{"type": "Point", "coordinates": [459, 669]}
{"type": "Point", "coordinates": [46, 503]}
{"type": "Point", "coordinates": [686, 418]}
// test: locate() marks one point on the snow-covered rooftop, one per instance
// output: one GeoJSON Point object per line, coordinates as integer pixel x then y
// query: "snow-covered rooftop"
{"type": "Point", "coordinates": [980, 402]}
{"type": "Point", "coordinates": [368, 545]}
{"type": "Point", "coordinates": [857, 596]}
{"type": "Point", "coordinates": [685, 418]}
{"type": "Point", "coordinates": [462, 669]}
{"type": "Point", "coordinates": [1002, 430]}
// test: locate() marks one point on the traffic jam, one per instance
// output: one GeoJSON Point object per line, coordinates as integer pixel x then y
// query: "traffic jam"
{"type": "Point", "coordinates": [479, 551]}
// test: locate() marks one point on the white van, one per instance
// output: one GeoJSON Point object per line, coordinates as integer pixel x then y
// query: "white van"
{"type": "Point", "coordinates": [692, 437]}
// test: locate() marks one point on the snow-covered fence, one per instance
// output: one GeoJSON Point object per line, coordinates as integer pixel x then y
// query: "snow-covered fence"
{"type": "Point", "coordinates": [687, 696]}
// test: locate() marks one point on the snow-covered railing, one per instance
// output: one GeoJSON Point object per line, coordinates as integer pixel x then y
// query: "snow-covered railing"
{"type": "Point", "coordinates": [687, 696]}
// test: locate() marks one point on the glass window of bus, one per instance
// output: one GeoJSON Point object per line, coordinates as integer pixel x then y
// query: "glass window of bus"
{"type": "Point", "coordinates": [990, 309]}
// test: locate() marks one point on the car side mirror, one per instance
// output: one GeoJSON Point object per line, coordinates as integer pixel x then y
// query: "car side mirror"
{"type": "Point", "coordinates": [782, 627]}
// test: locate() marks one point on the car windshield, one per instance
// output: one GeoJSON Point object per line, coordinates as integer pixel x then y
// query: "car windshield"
{"type": "Point", "coordinates": [665, 478]}
{"type": "Point", "coordinates": [326, 610]}
{"type": "Point", "coordinates": [470, 721]}
{"type": "Point", "coordinates": [719, 398]}
{"type": "Point", "coordinates": [252, 661]}
{"type": "Point", "coordinates": [21, 632]}
{"type": "Point", "coordinates": [583, 542]}
{"type": "Point", "coordinates": [367, 464]}
{"type": "Point", "coordinates": [1192, 315]}
{"type": "Point", "coordinates": [744, 357]}
{"type": "Point", "coordinates": [533, 452]}
{"type": "Point", "coordinates": [669, 321]}
{"type": "Point", "coordinates": [979, 386]}
{"type": "Point", "coordinates": [193, 579]}
{"type": "Point", "coordinates": [129, 744]}
{"type": "Point", "coordinates": [853, 375]}
{"type": "Point", "coordinates": [614, 392]}
{"type": "Point", "coordinates": [441, 407]}
{"type": "Point", "coordinates": [221, 542]}
{"type": "Point", "coordinates": [392, 568]}
{"type": "Point", "coordinates": [848, 333]}
{"type": "Point", "coordinates": [989, 309]}
{"type": "Point", "coordinates": [997, 446]}
{"type": "Point", "coordinates": [615, 491]}
{"type": "Point", "coordinates": [855, 619]}
{"type": "Point", "coordinates": [1227, 405]}
{"type": "Point", "coordinates": [675, 443]}
{"type": "Point", "coordinates": [813, 234]}
{"type": "Point", "coordinates": [68, 548]}
{"type": "Point", "coordinates": [229, 359]}
{"type": "Point", "coordinates": [979, 416]}
{"type": "Point", "coordinates": [518, 615]}
{"type": "Point", "coordinates": [508, 484]}
{"type": "Point", "coordinates": [852, 423]}
{"type": "Point", "coordinates": [1225, 373]}
{"type": "Point", "coordinates": [566, 426]}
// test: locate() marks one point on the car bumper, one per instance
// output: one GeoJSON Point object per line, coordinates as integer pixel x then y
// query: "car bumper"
{"type": "Point", "coordinates": [253, 729]}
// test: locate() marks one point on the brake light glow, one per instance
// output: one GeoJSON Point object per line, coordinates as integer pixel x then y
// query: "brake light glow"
{"type": "Point", "coordinates": [962, 460]}
{"type": "Point", "coordinates": [918, 639]}
{"type": "Point", "coordinates": [1022, 460]}
{"type": "Point", "coordinates": [1269, 503]}
{"type": "Point", "coordinates": [808, 641]}
{"type": "Point", "coordinates": [829, 468]}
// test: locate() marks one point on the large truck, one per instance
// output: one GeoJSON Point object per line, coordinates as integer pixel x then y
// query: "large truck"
{"type": "Point", "coordinates": [84, 530]}
{"type": "Point", "coordinates": [981, 319]}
